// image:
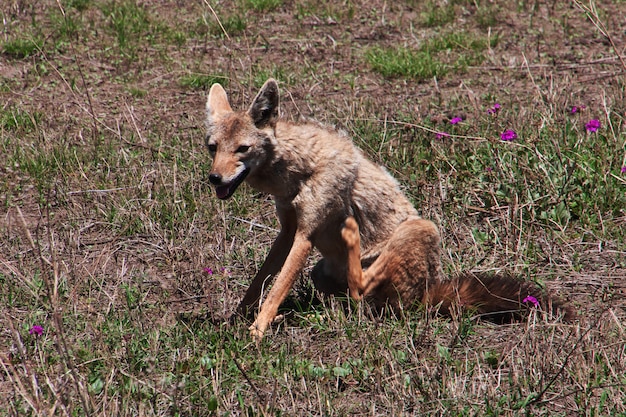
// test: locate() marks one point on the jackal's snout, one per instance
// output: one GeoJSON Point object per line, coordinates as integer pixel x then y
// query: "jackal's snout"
{"type": "Point", "coordinates": [225, 187]}
{"type": "Point", "coordinates": [215, 178]}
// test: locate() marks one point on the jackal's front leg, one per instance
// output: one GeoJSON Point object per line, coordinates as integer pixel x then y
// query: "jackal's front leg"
{"type": "Point", "coordinates": [275, 260]}
{"type": "Point", "coordinates": [273, 263]}
{"type": "Point", "coordinates": [284, 282]}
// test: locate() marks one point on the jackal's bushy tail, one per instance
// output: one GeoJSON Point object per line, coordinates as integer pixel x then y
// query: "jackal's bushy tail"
{"type": "Point", "coordinates": [500, 298]}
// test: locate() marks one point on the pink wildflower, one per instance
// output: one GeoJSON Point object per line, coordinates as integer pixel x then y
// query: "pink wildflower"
{"type": "Point", "coordinates": [36, 330]}
{"type": "Point", "coordinates": [456, 120]}
{"type": "Point", "coordinates": [592, 125]}
{"type": "Point", "coordinates": [208, 270]}
{"type": "Point", "coordinates": [508, 135]}
{"type": "Point", "coordinates": [494, 110]}
{"type": "Point", "coordinates": [576, 109]}
{"type": "Point", "coordinates": [532, 300]}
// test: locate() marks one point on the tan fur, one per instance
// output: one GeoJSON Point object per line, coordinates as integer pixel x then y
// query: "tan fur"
{"type": "Point", "coordinates": [320, 180]}
{"type": "Point", "coordinates": [407, 272]}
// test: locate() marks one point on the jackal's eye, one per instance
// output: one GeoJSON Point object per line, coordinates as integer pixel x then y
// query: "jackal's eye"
{"type": "Point", "coordinates": [212, 147]}
{"type": "Point", "coordinates": [242, 149]}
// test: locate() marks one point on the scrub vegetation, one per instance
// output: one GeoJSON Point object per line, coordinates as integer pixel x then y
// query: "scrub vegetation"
{"type": "Point", "coordinates": [504, 122]}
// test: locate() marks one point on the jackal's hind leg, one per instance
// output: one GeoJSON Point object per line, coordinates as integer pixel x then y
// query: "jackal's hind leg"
{"type": "Point", "coordinates": [403, 270]}
{"type": "Point", "coordinates": [360, 282]}
{"type": "Point", "coordinates": [355, 274]}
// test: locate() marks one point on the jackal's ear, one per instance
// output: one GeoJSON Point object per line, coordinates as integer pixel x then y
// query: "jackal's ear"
{"type": "Point", "coordinates": [217, 103]}
{"type": "Point", "coordinates": [264, 108]}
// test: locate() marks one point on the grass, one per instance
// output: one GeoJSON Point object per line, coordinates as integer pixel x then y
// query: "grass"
{"type": "Point", "coordinates": [109, 227]}
{"type": "Point", "coordinates": [202, 81]}
{"type": "Point", "coordinates": [339, 11]}
{"type": "Point", "coordinates": [232, 25]}
{"type": "Point", "coordinates": [438, 15]}
{"type": "Point", "coordinates": [402, 62]}
{"type": "Point", "coordinates": [425, 62]}
{"type": "Point", "coordinates": [21, 48]}
{"type": "Point", "coordinates": [127, 21]}
{"type": "Point", "coordinates": [15, 119]}
{"type": "Point", "coordinates": [262, 5]}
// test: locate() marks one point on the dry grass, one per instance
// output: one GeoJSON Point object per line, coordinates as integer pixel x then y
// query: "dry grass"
{"type": "Point", "coordinates": [108, 222]}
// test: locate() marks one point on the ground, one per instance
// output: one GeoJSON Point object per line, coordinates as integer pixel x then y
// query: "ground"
{"type": "Point", "coordinates": [113, 242]}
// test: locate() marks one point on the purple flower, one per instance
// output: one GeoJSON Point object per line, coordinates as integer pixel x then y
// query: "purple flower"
{"type": "Point", "coordinates": [36, 330]}
{"type": "Point", "coordinates": [624, 169]}
{"type": "Point", "coordinates": [489, 169]}
{"type": "Point", "coordinates": [532, 300]}
{"type": "Point", "coordinates": [576, 109]}
{"type": "Point", "coordinates": [495, 109]}
{"type": "Point", "coordinates": [208, 270]}
{"type": "Point", "coordinates": [456, 120]}
{"type": "Point", "coordinates": [508, 135]}
{"type": "Point", "coordinates": [441, 135]}
{"type": "Point", "coordinates": [592, 125]}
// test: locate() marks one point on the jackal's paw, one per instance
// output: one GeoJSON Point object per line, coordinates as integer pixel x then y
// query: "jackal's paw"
{"type": "Point", "coordinates": [256, 332]}
{"type": "Point", "coordinates": [350, 233]}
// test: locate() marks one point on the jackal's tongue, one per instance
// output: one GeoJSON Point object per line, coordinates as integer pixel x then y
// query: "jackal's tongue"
{"type": "Point", "coordinates": [222, 191]}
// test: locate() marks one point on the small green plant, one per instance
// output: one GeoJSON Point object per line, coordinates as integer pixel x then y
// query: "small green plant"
{"type": "Point", "coordinates": [403, 62]}
{"type": "Point", "coordinates": [17, 119]}
{"type": "Point", "coordinates": [80, 5]}
{"type": "Point", "coordinates": [67, 25]}
{"type": "Point", "coordinates": [229, 26]}
{"type": "Point", "coordinates": [325, 9]}
{"type": "Point", "coordinates": [232, 25]}
{"type": "Point", "coordinates": [262, 5]}
{"type": "Point", "coordinates": [21, 48]}
{"type": "Point", "coordinates": [424, 62]}
{"type": "Point", "coordinates": [137, 92]}
{"type": "Point", "coordinates": [486, 17]}
{"type": "Point", "coordinates": [437, 15]}
{"type": "Point", "coordinates": [458, 41]}
{"type": "Point", "coordinates": [179, 38]}
{"type": "Point", "coordinates": [128, 22]}
{"type": "Point", "coordinates": [198, 81]}
{"type": "Point", "coordinates": [280, 73]}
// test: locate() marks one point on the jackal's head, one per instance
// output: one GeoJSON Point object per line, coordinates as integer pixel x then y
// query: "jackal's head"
{"type": "Point", "coordinates": [239, 142]}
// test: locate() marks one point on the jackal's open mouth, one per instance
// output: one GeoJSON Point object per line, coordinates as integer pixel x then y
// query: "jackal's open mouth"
{"type": "Point", "coordinates": [224, 191]}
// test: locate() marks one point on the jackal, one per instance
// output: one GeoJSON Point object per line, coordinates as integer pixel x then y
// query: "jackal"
{"type": "Point", "coordinates": [330, 196]}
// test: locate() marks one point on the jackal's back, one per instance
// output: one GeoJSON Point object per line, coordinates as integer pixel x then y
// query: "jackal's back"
{"type": "Point", "coordinates": [334, 179]}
